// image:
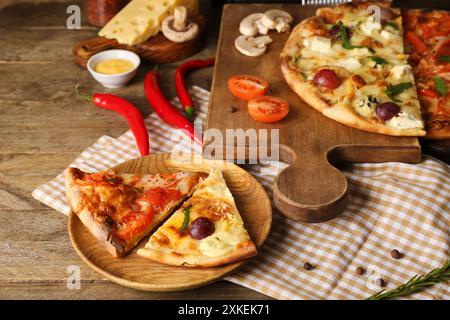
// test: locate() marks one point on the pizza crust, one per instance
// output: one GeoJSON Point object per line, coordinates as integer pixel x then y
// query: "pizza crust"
{"type": "Point", "coordinates": [102, 230]}
{"type": "Point", "coordinates": [246, 250]}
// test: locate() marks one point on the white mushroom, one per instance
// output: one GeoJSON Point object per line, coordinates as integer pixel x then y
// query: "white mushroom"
{"type": "Point", "coordinates": [261, 28]}
{"type": "Point", "coordinates": [277, 19]}
{"type": "Point", "coordinates": [178, 28]}
{"type": "Point", "coordinates": [249, 25]}
{"type": "Point", "coordinates": [252, 46]}
{"type": "Point", "coordinates": [283, 26]}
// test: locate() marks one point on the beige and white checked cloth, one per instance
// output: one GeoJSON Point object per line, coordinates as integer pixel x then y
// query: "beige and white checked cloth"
{"type": "Point", "coordinates": [391, 206]}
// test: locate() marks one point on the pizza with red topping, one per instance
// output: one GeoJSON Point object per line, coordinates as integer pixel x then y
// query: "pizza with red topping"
{"type": "Point", "coordinates": [120, 209]}
{"type": "Point", "coordinates": [427, 37]}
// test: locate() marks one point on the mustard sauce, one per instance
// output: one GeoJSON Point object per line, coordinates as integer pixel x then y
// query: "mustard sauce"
{"type": "Point", "coordinates": [113, 66]}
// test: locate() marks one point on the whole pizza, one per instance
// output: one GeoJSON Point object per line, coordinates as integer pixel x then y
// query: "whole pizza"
{"type": "Point", "coordinates": [349, 63]}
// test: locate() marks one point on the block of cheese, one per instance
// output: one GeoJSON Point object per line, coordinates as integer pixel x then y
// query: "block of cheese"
{"type": "Point", "coordinates": [141, 19]}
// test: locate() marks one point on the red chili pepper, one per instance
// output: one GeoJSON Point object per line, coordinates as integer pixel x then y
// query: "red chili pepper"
{"type": "Point", "coordinates": [129, 112]}
{"type": "Point", "coordinates": [182, 91]}
{"type": "Point", "coordinates": [164, 109]}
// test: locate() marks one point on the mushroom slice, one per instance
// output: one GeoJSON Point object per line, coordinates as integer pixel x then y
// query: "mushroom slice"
{"type": "Point", "coordinates": [282, 26]}
{"type": "Point", "coordinates": [261, 28]}
{"type": "Point", "coordinates": [277, 19]}
{"type": "Point", "coordinates": [249, 25]}
{"type": "Point", "coordinates": [178, 28]}
{"type": "Point", "coordinates": [252, 46]}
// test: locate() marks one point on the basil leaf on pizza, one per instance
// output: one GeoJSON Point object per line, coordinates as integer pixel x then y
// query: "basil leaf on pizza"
{"type": "Point", "coordinates": [393, 90]}
{"type": "Point", "coordinates": [378, 60]}
{"type": "Point", "coordinates": [440, 85]}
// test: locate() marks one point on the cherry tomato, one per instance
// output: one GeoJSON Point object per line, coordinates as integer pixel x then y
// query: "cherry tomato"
{"type": "Point", "coordinates": [327, 78]}
{"type": "Point", "coordinates": [268, 109]}
{"type": "Point", "coordinates": [133, 223]}
{"type": "Point", "coordinates": [159, 197]}
{"type": "Point", "coordinates": [247, 87]}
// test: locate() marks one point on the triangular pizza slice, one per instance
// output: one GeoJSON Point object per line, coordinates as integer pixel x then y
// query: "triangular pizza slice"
{"type": "Point", "coordinates": [120, 209]}
{"type": "Point", "coordinates": [206, 231]}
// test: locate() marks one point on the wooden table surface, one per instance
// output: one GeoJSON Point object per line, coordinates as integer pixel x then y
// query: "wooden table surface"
{"type": "Point", "coordinates": [43, 127]}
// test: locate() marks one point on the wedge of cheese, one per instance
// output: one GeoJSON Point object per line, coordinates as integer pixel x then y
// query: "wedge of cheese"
{"type": "Point", "coordinates": [141, 19]}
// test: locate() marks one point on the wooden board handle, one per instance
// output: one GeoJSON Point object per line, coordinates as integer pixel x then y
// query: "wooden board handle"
{"type": "Point", "coordinates": [311, 189]}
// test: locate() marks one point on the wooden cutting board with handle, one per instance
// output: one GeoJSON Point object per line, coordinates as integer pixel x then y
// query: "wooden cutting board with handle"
{"type": "Point", "coordinates": [311, 189]}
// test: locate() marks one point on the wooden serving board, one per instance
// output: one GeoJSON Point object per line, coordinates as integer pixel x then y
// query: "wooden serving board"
{"type": "Point", "coordinates": [157, 49]}
{"type": "Point", "coordinates": [139, 273]}
{"type": "Point", "coordinates": [311, 189]}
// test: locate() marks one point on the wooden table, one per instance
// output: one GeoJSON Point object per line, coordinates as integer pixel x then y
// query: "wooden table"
{"type": "Point", "coordinates": [43, 127]}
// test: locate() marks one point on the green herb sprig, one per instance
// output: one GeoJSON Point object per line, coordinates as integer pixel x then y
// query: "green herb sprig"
{"type": "Point", "coordinates": [392, 24]}
{"type": "Point", "coordinates": [187, 218]}
{"type": "Point", "coordinates": [416, 284]}
{"type": "Point", "coordinates": [394, 90]}
{"type": "Point", "coordinates": [440, 86]}
{"type": "Point", "coordinates": [378, 60]}
{"type": "Point", "coordinates": [346, 44]}
{"type": "Point", "coordinates": [444, 58]}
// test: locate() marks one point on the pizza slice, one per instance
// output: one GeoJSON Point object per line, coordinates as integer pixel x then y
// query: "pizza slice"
{"type": "Point", "coordinates": [427, 36]}
{"type": "Point", "coordinates": [120, 209]}
{"type": "Point", "coordinates": [352, 68]}
{"type": "Point", "coordinates": [206, 231]}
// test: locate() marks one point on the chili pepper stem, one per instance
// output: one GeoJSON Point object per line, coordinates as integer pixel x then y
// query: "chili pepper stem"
{"type": "Point", "coordinates": [189, 112]}
{"type": "Point", "coordinates": [88, 98]}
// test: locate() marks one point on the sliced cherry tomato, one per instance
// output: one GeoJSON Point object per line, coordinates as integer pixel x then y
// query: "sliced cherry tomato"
{"type": "Point", "coordinates": [159, 197]}
{"type": "Point", "coordinates": [247, 87]}
{"type": "Point", "coordinates": [416, 42]}
{"type": "Point", "coordinates": [427, 93]}
{"type": "Point", "coordinates": [268, 109]}
{"type": "Point", "coordinates": [134, 223]}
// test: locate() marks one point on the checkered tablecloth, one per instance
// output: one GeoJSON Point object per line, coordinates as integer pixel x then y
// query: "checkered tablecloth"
{"type": "Point", "coordinates": [391, 206]}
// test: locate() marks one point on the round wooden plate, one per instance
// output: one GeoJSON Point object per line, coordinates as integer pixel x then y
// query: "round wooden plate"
{"type": "Point", "coordinates": [139, 273]}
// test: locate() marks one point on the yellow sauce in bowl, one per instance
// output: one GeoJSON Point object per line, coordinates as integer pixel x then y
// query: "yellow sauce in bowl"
{"type": "Point", "coordinates": [113, 66]}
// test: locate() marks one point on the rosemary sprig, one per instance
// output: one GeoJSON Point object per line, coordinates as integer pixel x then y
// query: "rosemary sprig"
{"type": "Point", "coordinates": [416, 283]}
